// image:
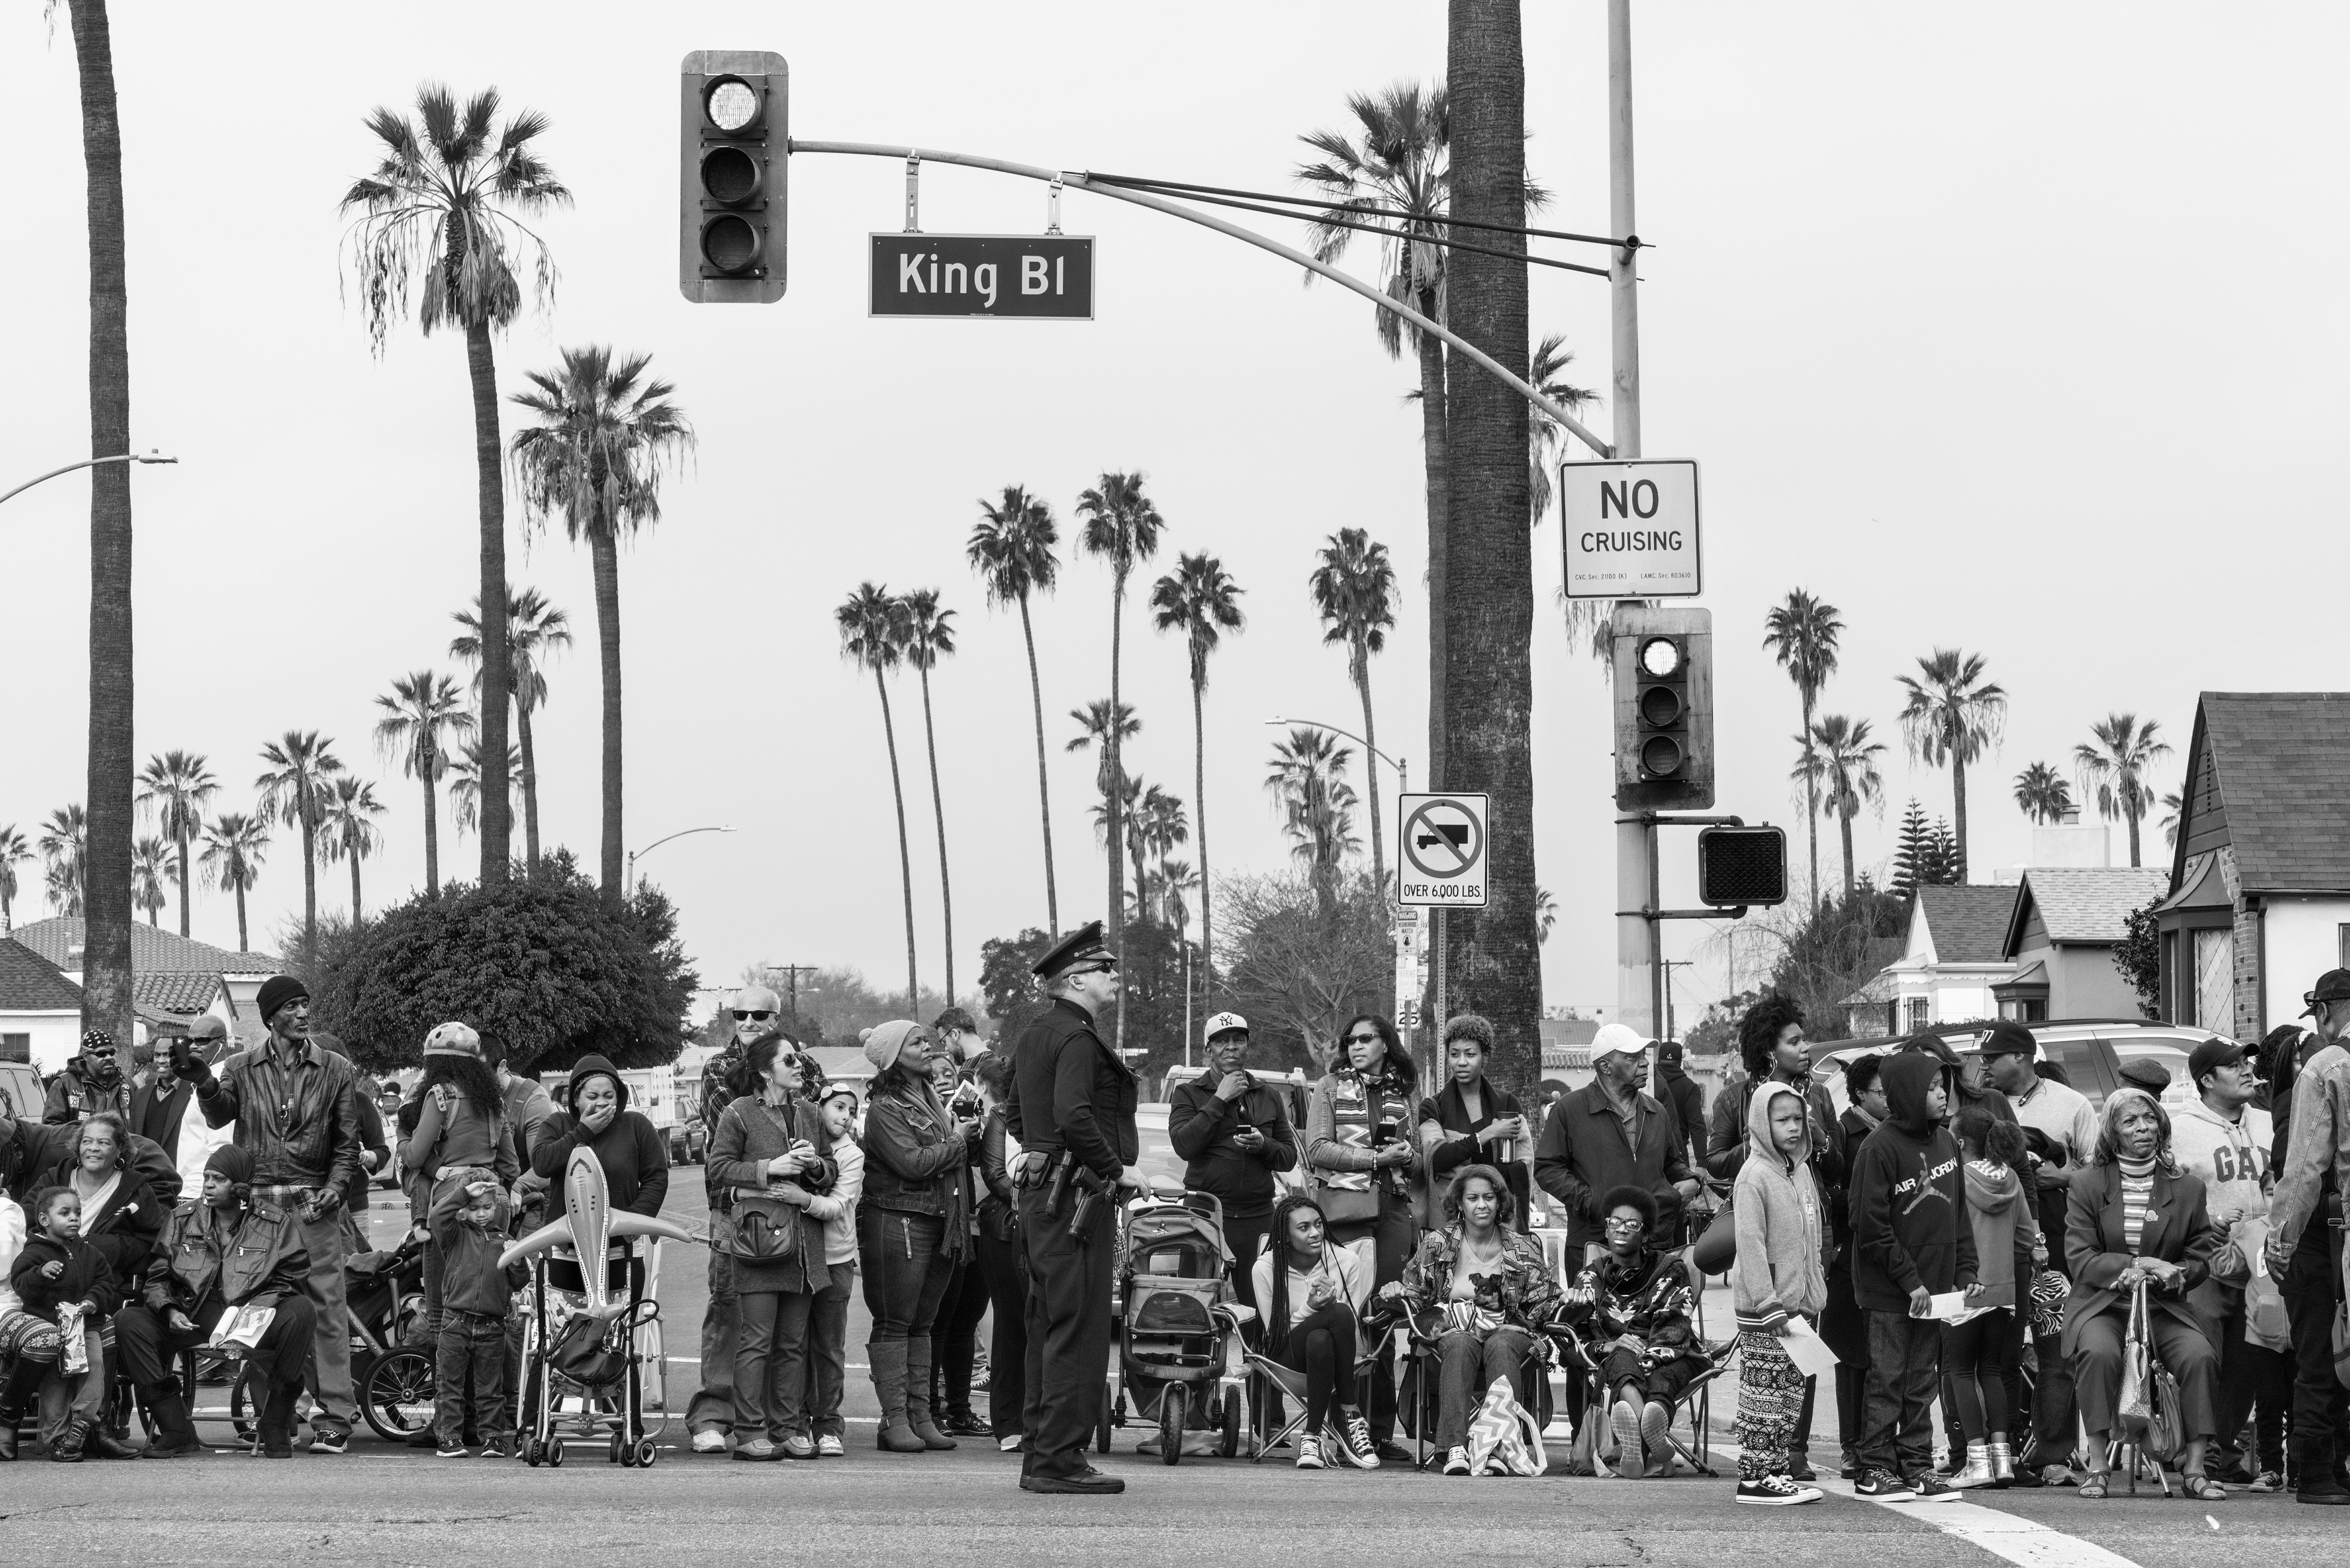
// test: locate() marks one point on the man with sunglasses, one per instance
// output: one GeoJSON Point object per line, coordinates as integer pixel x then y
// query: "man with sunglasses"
{"type": "Point", "coordinates": [725, 1077]}
{"type": "Point", "coordinates": [92, 1082]}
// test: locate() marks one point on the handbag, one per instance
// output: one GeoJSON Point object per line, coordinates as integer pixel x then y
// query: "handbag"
{"type": "Point", "coordinates": [2147, 1410]}
{"type": "Point", "coordinates": [765, 1229]}
{"type": "Point", "coordinates": [1503, 1437]}
{"type": "Point", "coordinates": [1346, 1205]}
{"type": "Point", "coordinates": [594, 1352]}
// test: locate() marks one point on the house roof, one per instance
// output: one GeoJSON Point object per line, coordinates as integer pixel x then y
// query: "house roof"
{"type": "Point", "coordinates": [2034, 973]}
{"type": "Point", "coordinates": [31, 984]}
{"type": "Point", "coordinates": [2082, 904]}
{"type": "Point", "coordinates": [152, 950]}
{"type": "Point", "coordinates": [1881, 989]}
{"type": "Point", "coordinates": [2281, 759]}
{"type": "Point", "coordinates": [171, 993]}
{"type": "Point", "coordinates": [1969, 924]}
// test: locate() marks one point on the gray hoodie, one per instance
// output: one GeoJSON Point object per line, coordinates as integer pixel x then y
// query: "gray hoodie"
{"type": "Point", "coordinates": [1779, 1267]}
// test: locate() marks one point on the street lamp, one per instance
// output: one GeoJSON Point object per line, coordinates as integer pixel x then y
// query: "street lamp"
{"type": "Point", "coordinates": [152, 454]}
{"type": "Point", "coordinates": [1402, 768]}
{"type": "Point", "coordinates": [630, 881]}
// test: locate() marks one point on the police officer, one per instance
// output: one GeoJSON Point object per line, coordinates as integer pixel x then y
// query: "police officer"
{"type": "Point", "coordinates": [1072, 1111]}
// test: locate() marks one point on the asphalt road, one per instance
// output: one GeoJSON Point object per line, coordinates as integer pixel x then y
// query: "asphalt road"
{"type": "Point", "coordinates": [379, 1505]}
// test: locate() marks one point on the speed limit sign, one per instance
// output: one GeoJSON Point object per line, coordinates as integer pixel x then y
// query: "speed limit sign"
{"type": "Point", "coordinates": [1407, 1016]}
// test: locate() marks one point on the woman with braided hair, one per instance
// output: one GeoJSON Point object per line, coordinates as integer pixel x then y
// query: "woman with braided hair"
{"type": "Point", "coordinates": [1310, 1294]}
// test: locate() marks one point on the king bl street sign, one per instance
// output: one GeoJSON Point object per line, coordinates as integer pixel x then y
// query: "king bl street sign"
{"type": "Point", "coordinates": [1045, 277]}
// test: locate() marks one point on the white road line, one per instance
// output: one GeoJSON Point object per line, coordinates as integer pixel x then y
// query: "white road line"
{"type": "Point", "coordinates": [2024, 1542]}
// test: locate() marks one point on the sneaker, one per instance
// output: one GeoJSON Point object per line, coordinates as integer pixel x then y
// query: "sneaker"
{"type": "Point", "coordinates": [828, 1445]}
{"type": "Point", "coordinates": [1775, 1492]}
{"type": "Point", "coordinates": [1932, 1488]}
{"type": "Point", "coordinates": [1393, 1453]}
{"type": "Point", "coordinates": [1309, 1453]}
{"type": "Point", "coordinates": [1003, 1445]}
{"type": "Point", "coordinates": [710, 1441]}
{"type": "Point", "coordinates": [1882, 1485]}
{"type": "Point", "coordinates": [1351, 1435]}
{"type": "Point", "coordinates": [497, 1450]}
{"type": "Point", "coordinates": [1631, 1457]}
{"type": "Point", "coordinates": [1653, 1419]}
{"type": "Point", "coordinates": [453, 1451]}
{"type": "Point", "coordinates": [1455, 1463]}
{"type": "Point", "coordinates": [329, 1441]}
{"type": "Point", "coordinates": [757, 1448]}
{"type": "Point", "coordinates": [799, 1446]}
{"type": "Point", "coordinates": [2267, 1480]}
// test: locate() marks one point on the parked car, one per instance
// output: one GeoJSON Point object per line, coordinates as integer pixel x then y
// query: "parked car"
{"type": "Point", "coordinates": [2090, 1051]}
{"type": "Point", "coordinates": [26, 1094]}
{"type": "Point", "coordinates": [688, 1142]}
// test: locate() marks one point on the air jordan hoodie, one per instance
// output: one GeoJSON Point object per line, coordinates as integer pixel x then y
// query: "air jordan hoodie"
{"type": "Point", "coordinates": [1909, 1198]}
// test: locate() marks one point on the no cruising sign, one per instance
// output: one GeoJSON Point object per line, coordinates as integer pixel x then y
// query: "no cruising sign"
{"type": "Point", "coordinates": [1443, 845]}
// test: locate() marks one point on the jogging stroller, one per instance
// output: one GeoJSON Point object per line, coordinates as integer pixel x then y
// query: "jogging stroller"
{"type": "Point", "coordinates": [1177, 1323]}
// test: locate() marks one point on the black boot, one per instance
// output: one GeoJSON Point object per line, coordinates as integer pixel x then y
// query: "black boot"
{"type": "Point", "coordinates": [275, 1422]}
{"type": "Point", "coordinates": [104, 1445]}
{"type": "Point", "coordinates": [67, 1449]}
{"type": "Point", "coordinates": [175, 1432]}
{"type": "Point", "coordinates": [18, 1395]}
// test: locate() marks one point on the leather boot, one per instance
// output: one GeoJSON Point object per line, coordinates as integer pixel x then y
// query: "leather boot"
{"type": "Point", "coordinates": [918, 1395]}
{"type": "Point", "coordinates": [104, 1445]}
{"type": "Point", "coordinates": [67, 1449]}
{"type": "Point", "coordinates": [175, 1432]}
{"type": "Point", "coordinates": [18, 1395]}
{"type": "Point", "coordinates": [275, 1424]}
{"type": "Point", "coordinates": [888, 1357]}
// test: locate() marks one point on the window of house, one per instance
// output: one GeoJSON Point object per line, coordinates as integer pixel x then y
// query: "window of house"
{"type": "Point", "coordinates": [1915, 1008]}
{"type": "Point", "coordinates": [2215, 980]}
{"type": "Point", "coordinates": [15, 1047]}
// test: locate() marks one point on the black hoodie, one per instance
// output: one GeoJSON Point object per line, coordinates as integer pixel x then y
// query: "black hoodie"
{"type": "Point", "coordinates": [1908, 1196]}
{"type": "Point", "coordinates": [630, 1148]}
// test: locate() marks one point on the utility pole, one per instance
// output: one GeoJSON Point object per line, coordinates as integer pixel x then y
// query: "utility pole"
{"type": "Point", "coordinates": [791, 973]}
{"type": "Point", "coordinates": [1669, 965]}
{"type": "Point", "coordinates": [1636, 840]}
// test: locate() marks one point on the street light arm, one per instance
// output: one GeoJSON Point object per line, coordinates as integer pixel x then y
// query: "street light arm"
{"type": "Point", "coordinates": [682, 832]}
{"type": "Point", "coordinates": [151, 455]}
{"type": "Point", "coordinates": [1312, 724]}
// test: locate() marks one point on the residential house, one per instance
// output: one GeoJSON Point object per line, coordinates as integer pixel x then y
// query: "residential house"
{"type": "Point", "coordinates": [1954, 955]}
{"type": "Point", "coordinates": [2259, 890]}
{"type": "Point", "coordinates": [173, 980]}
{"type": "Point", "coordinates": [2061, 938]}
{"type": "Point", "coordinates": [40, 1010]}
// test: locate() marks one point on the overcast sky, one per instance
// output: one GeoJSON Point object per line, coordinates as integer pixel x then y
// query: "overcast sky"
{"type": "Point", "coordinates": [2015, 327]}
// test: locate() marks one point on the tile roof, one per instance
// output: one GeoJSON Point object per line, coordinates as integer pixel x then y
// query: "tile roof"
{"type": "Point", "coordinates": [188, 992]}
{"type": "Point", "coordinates": [31, 984]}
{"type": "Point", "coordinates": [59, 940]}
{"type": "Point", "coordinates": [2083, 904]}
{"type": "Point", "coordinates": [2283, 764]}
{"type": "Point", "coordinates": [1969, 924]}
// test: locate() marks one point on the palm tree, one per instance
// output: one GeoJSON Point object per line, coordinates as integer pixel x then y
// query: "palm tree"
{"type": "Point", "coordinates": [465, 785]}
{"type": "Point", "coordinates": [873, 637]}
{"type": "Point", "coordinates": [1093, 729]}
{"type": "Point", "coordinates": [2042, 793]}
{"type": "Point", "coordinates": [65, 853]}
{"type": "Point", "coordinates": [175, 788]}
{"type": "Point", "coordinates": [1585, 618]}
{"type": "Point", "coordinates": [1158, 825]}
{"type": "Point", "coordinates": [233, 845]}
{"type": "Point", "coordinates": [1129, 815]}
{"type": "Point", "coordinates": [1802, 632]}
{"type": "Point", "coordinates": [351, 833]}
{"type": "Point", "coordinates": [2115, 763]}
{"type": "Point", "coordinates": [1122, 526]}
{"type": "Point", "coordinates": [1175, 877]}
{"type": "Point", "coordinates": [14, 852]}
{"type": "Point", "coordinates": [294, 792]}
{"type": "Point", "coordinates": [110, 763]}
{"type": "Point", "coordinates": [1353, 589]}
{"type": "Point", "coordinates": [1307, 782]}
{"type": "Point", "coordinates": [65, 891]}
{"type": "Point", "coordinates": [1397, 163]}
{"type": "Point", "coordinates": [2174, 806]}
{"type": "Point", "coordinates": [1200, 599]}
{"type": "Point", "coordinates": [1012, 551]}
{"type": "Point", "coordinates": [1952, 715]}
{"type": "Point", "coordinates": [1838, 769]}
{"type": "Point", "coordinates": [596, 458]}
{"type": "Point", "coordinates": [536, 630]}
{"type": "Point", "coordinates": [931, 636]}
{"type": "Point", "coordinates": [150, 864]}
{"type": "Point", "coordinates": [440, 216]}
{"type": "Point", "coordinates": [1545, 913]}
{"type": "Point", "coordinates": [420, 713]}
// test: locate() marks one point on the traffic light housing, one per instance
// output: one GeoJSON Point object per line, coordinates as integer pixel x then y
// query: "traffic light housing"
{"type": "Point", "coordinates": [1742, 867]}
{"type": "Point", "coordinates": [1663, 661]}
{"type": "Point", "coordinates": [735, 153]}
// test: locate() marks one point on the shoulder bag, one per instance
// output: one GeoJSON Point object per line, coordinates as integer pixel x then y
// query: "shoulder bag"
{"type": "Point", "coordinates": [2147, 1410]}
{"type": "Point", "coordinates": [765, 1229]}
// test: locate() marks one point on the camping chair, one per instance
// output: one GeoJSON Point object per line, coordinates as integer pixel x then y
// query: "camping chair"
{"type": "Point", "coordinates": [1267, 1378]}
{"type": "Point", "coordinates": [1596, 1441]}
{"type": "Point", "coordinates": [1424, 1372]}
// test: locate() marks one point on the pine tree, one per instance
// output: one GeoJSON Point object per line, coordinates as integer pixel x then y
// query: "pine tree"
{"type": "Point", "coordinates": [1910, 854]}
{"type": "Point", "coordinates": [1941, 866]}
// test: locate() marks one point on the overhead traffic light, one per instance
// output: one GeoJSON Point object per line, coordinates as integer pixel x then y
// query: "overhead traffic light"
{"type": "Point", "coordinates": [734, 150]}
{"type": "Point", "coordinates": [1738, 866]}
{"type": "Point", "coordinates": [1664, 708]}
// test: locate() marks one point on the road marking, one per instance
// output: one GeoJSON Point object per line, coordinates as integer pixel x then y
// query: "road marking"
{"type": "Point", "coordinates": [2020, 1541]}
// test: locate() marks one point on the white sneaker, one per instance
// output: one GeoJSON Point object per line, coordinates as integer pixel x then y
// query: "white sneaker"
{"type": "Point", "coordinates": [1631, 1455]}
{"type": "Point", "coordinates": [1455, 1463]}
{"type": "Point", "coordinates": [1309, 1454]}
{"type": "Point", "coordinates": [1007, 1445]}
{"type": "Point", "coordinates": [828, 1447]}
{"type": "Point", "coordinates": [710, 1441]}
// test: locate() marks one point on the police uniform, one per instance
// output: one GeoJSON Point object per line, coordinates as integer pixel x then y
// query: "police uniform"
{"type": "Point", "coordinates": [1073, 1100]}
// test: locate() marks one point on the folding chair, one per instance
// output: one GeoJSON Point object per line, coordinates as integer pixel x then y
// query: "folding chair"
{"type": "Point", "coordinates": [1267, 1376]}
{"type": "Point", "coordinates": [1694, 1404]}
{"type": "Point", "coordinates": [1426, 1374]}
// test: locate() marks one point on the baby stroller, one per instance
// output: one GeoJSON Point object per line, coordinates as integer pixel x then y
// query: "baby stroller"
{"type": "Point", "coordinates": [584, 1374]}
{"type": "Point", "coordinates": [1177, 1323]}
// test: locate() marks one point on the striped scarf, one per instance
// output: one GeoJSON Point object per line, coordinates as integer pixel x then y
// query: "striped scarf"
{"type": "Point", "coordinates": [2138, 1196]}
{"type": "Point", "coordinates": [1355, 1108]}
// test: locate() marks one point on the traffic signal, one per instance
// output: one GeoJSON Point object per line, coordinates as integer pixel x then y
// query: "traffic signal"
{"type": "Point", "coordinates": [1664, 708]}
{"type": "Point", "coordinates": [1738, 866]}
{"type": "Point", "coordinates": [735, 149]}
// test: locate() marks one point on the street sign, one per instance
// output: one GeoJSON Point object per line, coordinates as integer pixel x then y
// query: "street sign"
{"type": "Point", "coordinates": [1630, 529]}
{"type": "Point", "coordinates": [1408, 1012]}
{"type": "Point", "coordinates": [1444, 846]}
{"type": "Point", "coordinates": [1045, 277]}
{"type": "Point", "coordinates": [1411, 925]}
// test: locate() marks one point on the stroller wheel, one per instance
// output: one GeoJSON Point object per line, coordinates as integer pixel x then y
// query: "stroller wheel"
{"type": "Point", "coordinates": [1231, 1445]}
{"type": "Point", "coordinates": [533, 1451]}
{"type": "Point", "coordinates": [1171, 1423]}
{"type": "Point", "coordinates": [645, 1453]}
{"type": "Point", "coordinates": [396, 1394]}
{"type": "Point", "coordinates": [620, 1453]}
{"type": "Point", "coordinates": [555, 1452]}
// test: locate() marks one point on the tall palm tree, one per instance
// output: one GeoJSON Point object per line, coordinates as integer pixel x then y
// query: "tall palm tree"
{"type": "Point", "coordinates": [1952, 716]}
{"type": "Point", "coordinates": [1585, 618]}
{"type": "Point", "coordinates": [65, 891]}
{"type": "Point", "coordinates": [14, 852]}
{"type": "Point", "coordinates": [1158, 825]}
{"type": "Point", "coordinates": [1802, 632]}
{"type": "Point", "coordinates": [606, 434]}
{"type": "Point", "coordinates": [65, 854]}
{"type": "Point", "coordinates": [2042, 793]}
{"type": "Point", "coordinates": [1838, 768]}
{"type": "Point", "coordinates": [931, 636]}
{"type": "Point", "coordinates": [2114, 765]}
{"type": "Point", "coordinates": [441, 218]}
{"type": "Point", "coordinates": [1308, 784]}
{"type": "Point", "coordinates": [233, 845]}
{"type": "Point", "coordinates": [2174, 806]}
{"type": "Point", "coordinates": [873, 637]}
{"type": "Point", "coordinates": [294, 792]}
{"type": "Point", "coordinates": [420, 713]}
{"type": "Point", "coordinates": [465, 785]}
{"type": "Point", "coordinates": [535, 630]}
{"type": "Point", "coordinates": [1093, 731]}
{"type": "Point", "coordinates": [1012, 551]}
{"type": "Point", "coordinates": [1396, 161]}
{"type": "Point", "coordinates": [150, 866]}
{"type": "Point", "coordinates": [1129, 815]}
{"type": "Point", "coordinates": [350, 831]}
{"type": "Point", "coordinates": [1354, 590]}
{"type": "Point", "coordinates": [110, 761]}
{"type": "Point", "coordinates": [175, 787]}
{"type": "Point", "coordinates": [1200, 599]}
{"type": "Point", "coordinates": [1122, 526]}
{"type": "Point", "coordinates": [1175, 877]}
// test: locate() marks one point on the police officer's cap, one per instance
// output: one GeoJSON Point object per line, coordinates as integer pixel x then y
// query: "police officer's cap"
{"type": "Point", "coordinates": [1082, 949]}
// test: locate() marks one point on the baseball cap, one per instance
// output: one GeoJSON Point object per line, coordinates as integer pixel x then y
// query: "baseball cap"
{"type": "Point", "coordinates": [2008, 1038]}
{"type": "Point", "coordinates": [1617, 1040]}
{"type": "Point", "coordinates": [1224, 1022]}
{"type": "Point", "coordinates": [2334, 985]}
{"type": "Point", "coordinates": [2210, 1055]}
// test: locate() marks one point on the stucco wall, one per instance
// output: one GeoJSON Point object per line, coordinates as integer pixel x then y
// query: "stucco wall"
{"type": "Point", "coordinates": [2304, 940]}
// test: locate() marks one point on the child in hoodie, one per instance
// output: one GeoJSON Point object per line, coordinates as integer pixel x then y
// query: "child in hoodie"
{"type": "Point", "coordinates": [1910, 1244]}
{"type": "Point", "coordinates": [468, 1221]}
{"type": "Point", "coordinates": [1981, 1352]}
{"type": "Point", "coordinates": [1778, 1283]}
{"type": "Point", "coordinates": [64, 1279]}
